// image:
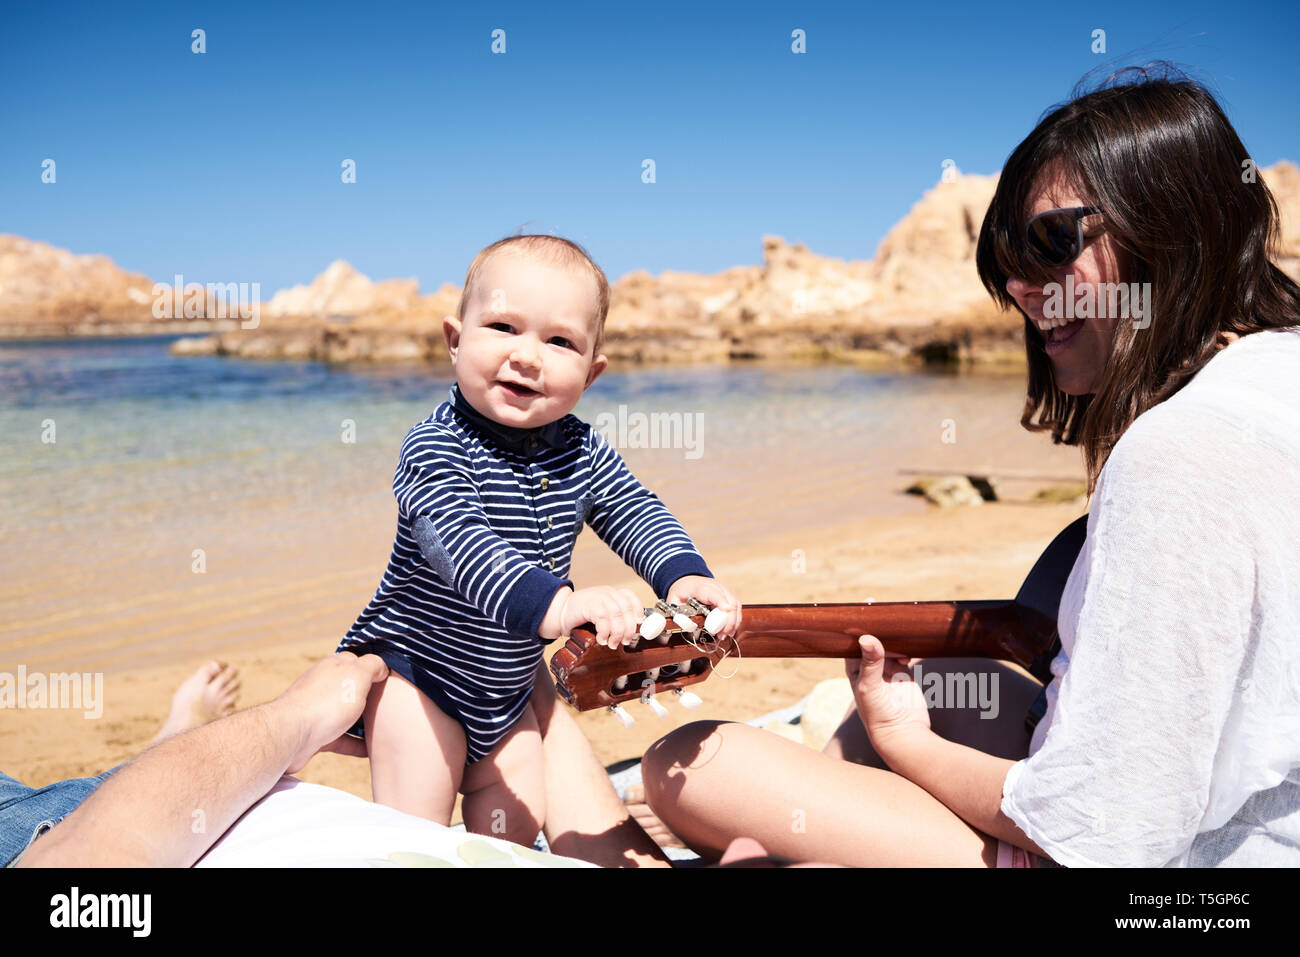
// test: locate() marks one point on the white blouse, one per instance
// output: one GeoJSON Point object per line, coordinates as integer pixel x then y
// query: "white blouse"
{"type": "Point", "coordinates": [1172, 731]}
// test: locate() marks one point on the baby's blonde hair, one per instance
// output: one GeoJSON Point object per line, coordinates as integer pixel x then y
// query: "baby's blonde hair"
{"type": "Point", "coordinates": [551, 249]}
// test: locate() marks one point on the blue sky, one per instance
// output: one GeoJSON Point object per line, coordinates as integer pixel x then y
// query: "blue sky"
{"type": "Point", "coordinates": [225, 166]}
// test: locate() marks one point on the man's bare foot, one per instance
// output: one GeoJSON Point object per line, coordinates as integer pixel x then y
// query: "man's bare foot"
{"type": "Point", "coordinates": [634, 801]}
{"type": "Point", "coordinates": [204, 696]}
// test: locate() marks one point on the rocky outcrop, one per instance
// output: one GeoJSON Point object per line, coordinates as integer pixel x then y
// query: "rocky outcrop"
{"type": "Point", "coordinates": [919, 299]}
{"type": "Point", "coordinates": [1283, 181]}
{"type": "Point", "coordinates": [45, 290]}
{"type": "Point", "coordinates": [342, 292]}
{"type": "Point", "coordinates": [341, 316]}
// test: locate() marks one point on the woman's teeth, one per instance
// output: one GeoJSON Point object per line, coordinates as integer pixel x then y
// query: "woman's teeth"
{"type": "Point", "coordinates": [1047, 326]}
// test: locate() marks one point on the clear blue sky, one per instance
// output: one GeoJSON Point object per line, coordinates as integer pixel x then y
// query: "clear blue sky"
{"type": "Point", "coordinates": [225, 166]}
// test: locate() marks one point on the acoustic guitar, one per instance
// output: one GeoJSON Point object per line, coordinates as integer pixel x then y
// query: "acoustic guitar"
{"type": "Point", "coordinates": [1023, 630]}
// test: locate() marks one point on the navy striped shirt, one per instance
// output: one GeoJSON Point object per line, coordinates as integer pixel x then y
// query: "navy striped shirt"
{"type": "Point", "coordinates": [488, 516]}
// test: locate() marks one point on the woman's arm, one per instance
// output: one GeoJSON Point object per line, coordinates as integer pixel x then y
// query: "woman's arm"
{"type": "Point", "coordinates": [966, 780]}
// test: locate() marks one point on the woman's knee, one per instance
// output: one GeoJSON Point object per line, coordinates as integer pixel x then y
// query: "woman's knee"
{"type": "Point", "coordinates": [671, 757]}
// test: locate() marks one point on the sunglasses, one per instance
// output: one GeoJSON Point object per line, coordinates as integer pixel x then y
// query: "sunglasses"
{"type": "Point", "coordinates": [1056, 237]}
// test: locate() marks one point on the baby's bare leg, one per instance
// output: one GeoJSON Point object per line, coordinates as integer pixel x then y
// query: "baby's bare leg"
{"type": "Point", "coordinates": [505, 792]}
{"type": "Point", "coordinates": [584, 816]}
{"type": "Point", "coordinates": [417, 753]}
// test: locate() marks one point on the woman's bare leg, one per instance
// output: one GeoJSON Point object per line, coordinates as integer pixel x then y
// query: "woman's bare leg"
{"type": "Point", "coordinates": [850, 743]}
{"type": "Point", "coordinates": [417, 753]}
{"type": "Point", "coordinates": [712, 782]}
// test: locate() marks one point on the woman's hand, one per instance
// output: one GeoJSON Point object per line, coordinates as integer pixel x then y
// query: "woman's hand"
{"type": "Point", "coordinates": [890, 703]}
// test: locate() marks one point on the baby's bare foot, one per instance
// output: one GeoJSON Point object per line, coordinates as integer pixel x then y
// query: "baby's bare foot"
{"type": "Point", "coordinates": [204, 696]}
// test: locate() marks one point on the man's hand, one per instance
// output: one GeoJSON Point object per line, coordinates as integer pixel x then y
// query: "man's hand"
{"type": "Point", "coordinates": [325, 701]}
{"type": "Point", "coordinates": [708, 591]}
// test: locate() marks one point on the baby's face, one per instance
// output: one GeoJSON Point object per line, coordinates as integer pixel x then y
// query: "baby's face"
{"type": "Point", "coordinates": [523, 354]}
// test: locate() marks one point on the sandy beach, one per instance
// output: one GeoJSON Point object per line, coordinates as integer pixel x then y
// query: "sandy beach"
{"type": "Point", "coordinates": [930, 553]}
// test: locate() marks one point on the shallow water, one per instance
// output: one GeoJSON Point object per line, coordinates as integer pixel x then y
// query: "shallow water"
{"type": "Point", "coordinates": [120, 429]}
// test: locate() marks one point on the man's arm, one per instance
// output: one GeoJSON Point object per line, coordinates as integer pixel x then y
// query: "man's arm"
{"type": "Point", "coordinates": [169, 805]}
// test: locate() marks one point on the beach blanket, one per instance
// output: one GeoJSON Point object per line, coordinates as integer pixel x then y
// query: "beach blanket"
{"type": "Point", "coordinates": [298, 824]}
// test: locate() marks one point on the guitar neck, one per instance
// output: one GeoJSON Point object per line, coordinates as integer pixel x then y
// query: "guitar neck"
{"type": "Point", "coordinates": [916, 629]}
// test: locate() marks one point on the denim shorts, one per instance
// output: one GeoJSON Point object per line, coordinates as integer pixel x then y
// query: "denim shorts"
{"type": "Point", "coordinates": [26, 813]}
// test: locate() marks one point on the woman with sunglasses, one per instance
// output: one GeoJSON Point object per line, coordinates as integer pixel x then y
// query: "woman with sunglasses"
{"type": "Point", "coordinates": [1170, 731]}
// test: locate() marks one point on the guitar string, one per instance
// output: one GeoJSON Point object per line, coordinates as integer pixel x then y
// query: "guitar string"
{"type": "Point", "coordinates": [708, 652]}
{"type": "Point", "coordinates": [707, 649]}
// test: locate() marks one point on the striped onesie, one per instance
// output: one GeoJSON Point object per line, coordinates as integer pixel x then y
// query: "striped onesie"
{"type": "Point", "coordinates": [487, 518]}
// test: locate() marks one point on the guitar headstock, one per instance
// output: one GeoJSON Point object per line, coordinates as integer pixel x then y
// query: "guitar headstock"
{"type": "Point", "coordinates": [674, 651]}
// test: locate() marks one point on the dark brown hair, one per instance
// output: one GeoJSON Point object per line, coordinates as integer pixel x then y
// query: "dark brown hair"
{"type": "Point", "coordinates": [1154, 150]}
{"type": "Point", "coordinates": [552, 249]}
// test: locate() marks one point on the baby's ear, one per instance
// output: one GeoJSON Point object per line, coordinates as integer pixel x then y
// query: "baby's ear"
{"type": "Point", "coordinates": [598, 365]}
{"type": "Point", "coordinates": [451, 333]}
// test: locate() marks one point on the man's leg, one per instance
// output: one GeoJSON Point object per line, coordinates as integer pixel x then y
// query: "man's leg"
{"type": "Point", "coordinates": [26, 813]}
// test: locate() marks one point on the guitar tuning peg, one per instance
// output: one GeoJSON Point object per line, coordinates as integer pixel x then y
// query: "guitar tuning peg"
{"type": "Point", "coordinates": [659, 710]}
{"type": "Point", "coordinates": [620, 682]}
{"type": "Point", "coordinates": [653, 626]}
{"type": "Point", "coordinates": [714, 621]}
{"type": "Point", "coordinates": [683, 622]}
{"type": "Point", "coordinates": [689, 699]}
{"type": "Point", "coordinates": [624, 718]}
{"type": "Point", "coordinates": [652, 675]}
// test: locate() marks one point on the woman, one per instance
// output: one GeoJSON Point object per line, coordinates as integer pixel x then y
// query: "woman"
{"type": "Point", "coordinates": [1172, 726]}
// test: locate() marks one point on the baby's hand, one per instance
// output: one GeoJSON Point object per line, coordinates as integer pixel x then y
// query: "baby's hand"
{"type": "Point", "coordinates": [708, 591]}
{"type": "Point", "coordinates": [616, 614]}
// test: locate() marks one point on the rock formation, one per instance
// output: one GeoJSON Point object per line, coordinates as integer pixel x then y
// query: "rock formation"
{"type": "Point", "coordinates": [918, 298]}
{"type": "Point", "coordinates": [1283, 181]}
{"type": "Point", "coordinates": [45, 290]}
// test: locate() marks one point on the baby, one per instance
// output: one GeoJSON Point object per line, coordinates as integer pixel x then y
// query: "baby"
{"type": "Point", "coordinates": [492, 490]}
